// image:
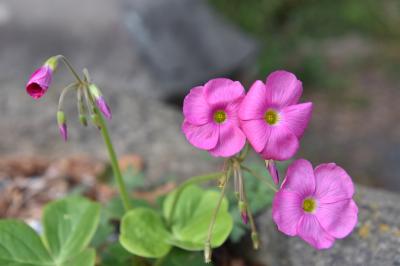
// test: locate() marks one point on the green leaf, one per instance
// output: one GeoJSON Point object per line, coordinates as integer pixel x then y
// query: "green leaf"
{"type": "Point", "coordinates": [69, 225]}
{"type": "Point", "coordinates": [192, 217]}
{"type": "Point", "coordinates": [85, 258]}
{"type": "Point", "coordinates": [179, 257]}
{"type": "Point", "coordinates": [115, 255]}
{"type": "Point", "coordinates": [143, 233]}
{"type": "Point", "coordinates": [21, 246]}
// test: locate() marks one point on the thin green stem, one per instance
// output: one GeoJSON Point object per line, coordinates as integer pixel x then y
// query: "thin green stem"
{"type": "Point", "coordinates": [208, 245]}
{"type": "Point", "coordinates": [114, 162]}
{"type": "Point", "coordinates": [70, 68]}
{"type": "Point", "coordinates": [255, 174]}
{"type": "Point", "coordinates": [254, 233]}
{"type": "Point", "coordinates": [64, 92]}
{"type": "Point", "coordinates": [190, 181]}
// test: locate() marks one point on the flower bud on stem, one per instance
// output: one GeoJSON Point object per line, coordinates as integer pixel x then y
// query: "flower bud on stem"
{"type": "Point", "coordinates": [62, 124]}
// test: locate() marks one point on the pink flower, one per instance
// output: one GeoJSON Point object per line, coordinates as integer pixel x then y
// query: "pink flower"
{"type": "Point", "coordinates": [315, 205]}
{"type": "Point", "coordinates": [211, 121]}
{"type": "Point", "coordinates": [271, 118]}
{"type": "Point", "coordinates": [40, 80]}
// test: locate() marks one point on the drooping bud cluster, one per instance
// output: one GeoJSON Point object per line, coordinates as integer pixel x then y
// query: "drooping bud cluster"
{"type": "Point", "coordinates": [89, 97]}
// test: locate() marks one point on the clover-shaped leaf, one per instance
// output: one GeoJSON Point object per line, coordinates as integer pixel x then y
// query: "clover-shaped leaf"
{"type": "Point", "coordinates": [69, 224]}
{"type": "Point", "coordinates": [191, 218]}
{"type": "Point", "coordinates": [143, 233]}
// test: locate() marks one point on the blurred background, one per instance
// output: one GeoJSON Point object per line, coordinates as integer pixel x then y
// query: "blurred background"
{"type": "Point", "coordinates": [146, 55]}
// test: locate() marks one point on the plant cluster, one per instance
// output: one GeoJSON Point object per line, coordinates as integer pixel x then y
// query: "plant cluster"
{"type": "Point", "coordinates": [219, 117]}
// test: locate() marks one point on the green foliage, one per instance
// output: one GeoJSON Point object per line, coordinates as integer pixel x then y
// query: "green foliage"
{"type": "Point", "coordinates": [287, 31]}
{"type": "Point", "coordinates": [144, 233]}
{"type": "Point", "coordinates": [192, 216]}
{"type": "Point", "coordinates": [115, 255]}
{"type": "Point", "coordinates": [69, 225]}
{"type": "Point", "coordinates": [178, 257]}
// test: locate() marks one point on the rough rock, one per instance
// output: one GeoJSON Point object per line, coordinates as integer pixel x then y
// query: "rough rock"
{"type": "Point", "coordinates": [375, 240]}
{"type": "Point", "coordinates": [188, 43]}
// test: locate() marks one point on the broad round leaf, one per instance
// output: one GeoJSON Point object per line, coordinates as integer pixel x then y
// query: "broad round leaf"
{"type": "Point", "coordinates": [20, 245]}
{"type": "Point", "coordinates": [192, 216]}
{"type": "Point", "coordinates": [85, 258]}
{"type": "Point", "coordinates": [143, 233]}
{"type": "Point", "coordinates": [69, 225]}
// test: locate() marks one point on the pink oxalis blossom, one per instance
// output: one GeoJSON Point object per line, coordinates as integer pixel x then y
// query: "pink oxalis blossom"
{"type": "Point", "coordinates": [271, 118]}
{"type": "Point", "coordinates": [40, 80]}
{"type": "Point", "coordinates": [211, 122]}
{"type": "Point", "coordinates": [315, 204]}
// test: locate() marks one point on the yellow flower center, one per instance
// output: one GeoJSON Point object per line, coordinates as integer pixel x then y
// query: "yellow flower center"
{"type": "Point", "coordinates": [219, 116]}
{"type": "Point", "coordinates": [271, 117]}
{"type": "Point", "coordinates": [309, 205]}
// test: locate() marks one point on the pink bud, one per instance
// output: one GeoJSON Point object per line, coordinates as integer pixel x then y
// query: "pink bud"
{"type": "Point", "coordinates": [272, 171]}
{"type": "Point", "coordinates": [245, 218]}
{"type": "Point", "coordinates": [63, 131]}
{"type": "Point", "coordinates": [39, 82]}
{"type": "Point", "coordinates": [104, 108]}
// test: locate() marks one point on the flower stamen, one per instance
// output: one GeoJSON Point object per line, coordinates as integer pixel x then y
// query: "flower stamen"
{"type": "Point", "coordinates": [271, 117]}
{"type": "Point", "coordinates": [219, 116]}
{"type": "Point", "coordinates": [309, 205]}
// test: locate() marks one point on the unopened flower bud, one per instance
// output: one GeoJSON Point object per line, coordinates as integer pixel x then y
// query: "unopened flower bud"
{"type": "Point", "coordinates": [243, 212]}
{"type": "Point", "coordinates": [62, 125]}
{"type": "Point", "coordinates": [256, 240]}
{"type": "Point", "coordinates": [83, 120]}
{"type": "Point", "coordinates": [96, 120]}
{"type": "Point", "coordinates": [100, 101]}
{"type": "Point", "coordinates": [270, 164]}
{"type": "Point", "coordinates": [207, 252]}
{"type": "Point", "coordinates": [40, 80]}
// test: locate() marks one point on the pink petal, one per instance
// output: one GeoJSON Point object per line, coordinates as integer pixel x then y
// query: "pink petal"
{"type": "Point", "coordinates": [339, 218]}
{"type": "Point", "coordinates": [300, 178]}
{"type": "Point", "coordinates": [39, 82]}
{"type": "Point", "coordinates": [231, 141]}
{"type": "Point", "coordinates": [195, 108]}
{"type": "Point", "coordinates": [231, 110]}
{"type": "Point", "coordinates": [283, 88]}
{"type": "Point", "coordinates": [287, 211]}
{"type": "Point", "coordinates": [255, 103]}
{"type": "Point", "coordinates": [257, 132]}
{"type": "Point", "coordinates": [296, 117]}
{"type": "Point", "coordinates": [281, 144]}
{"type": "Point", "coordinates": [310, 230]}
{"type": "Point", "coordinates": [220, 91]}
{"type": "Point", "coordinates": [332, 183]}
{"type": "Point", "coordinates": [203, 137]}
